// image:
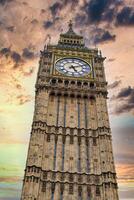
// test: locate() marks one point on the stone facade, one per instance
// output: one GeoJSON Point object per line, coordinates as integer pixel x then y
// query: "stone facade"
{"type": "Point", "coordinates": [70, 153]}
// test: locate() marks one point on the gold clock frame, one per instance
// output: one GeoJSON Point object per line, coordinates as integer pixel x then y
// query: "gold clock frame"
{"type": "Point", "coordinates": [88, 61]}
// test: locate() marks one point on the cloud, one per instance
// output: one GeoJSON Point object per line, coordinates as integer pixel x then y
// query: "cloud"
{"type": "Point", "coordinates": [124, 134]}
{"type": "Point", "coordinates": [55, 8]}
{"type": "Point", "coordinates": [13, 55]}
{"type": "Point", "coordinates": [18, 96]}
{"type": "Point", "coordinates": [124, 108]}
{"type": "Point", "coordinates": [109, 15]}
{"type": "Point", "coordinates": [22, 99]}
{"type": "Point", "coordinates": [103, 10]}
{"type": "Point", "coordinates": [126, 191]}
{"type": "Point", "coordinates": [11, 179]}
{"type": "Point", "coordinates": [58, 6]}
{"type": "Point", "coordinates": [7, 27]}
{"type": "Point", "coordinates": [18, 86]}
{"type": "Point", "coordinates": [100, 35]}
{"type": "Point", "coordinates": [125, 171]}
{"type": "Point", "coordinates": [11, 60]}
{"type": "Point", "coordinates": [106, 36]}
{"type": "Point", "coordinates": [34, 21]}
{"type": "Point", "coordinates": [125, 17]}
{"type": "Point", "coordinates": [43, 11]}
{"type": "Point", "coordinates": [3, 2]}
{"type": "Point", "coordinates": [48, 24]}
{"type": "Point", "coordinates": [125, 92]}
{"type": "Point", "coordinates": [114, 84]}
{"type": "Point", "coordinates": [11, 28]}
{"type": "Point", "coordinates": [5, 51]}
{"type": "Point", "coordinates": [110, 12]}
{"type": "Point", "coordinates": [80, 19]}
{"type": "Point", "coordinates": [75, 2]}
{"type": "Point", "coordinates": [95, 9]}
{"type": "Point", "coordinates": [125, 100]}
{"type": "Point", "coordinates": [27, 53]}
{"type": "Point", "coordinates": [10, 198]}
{"type": "Point", "coordinates": [16, 57]}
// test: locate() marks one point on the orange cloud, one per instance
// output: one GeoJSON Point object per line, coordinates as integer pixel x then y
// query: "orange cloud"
{"type": "Point", "coordinates": [125, 172]}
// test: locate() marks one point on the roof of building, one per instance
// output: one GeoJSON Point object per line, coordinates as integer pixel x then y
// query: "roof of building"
{"type": "Point", "coordinates": [70, 33]}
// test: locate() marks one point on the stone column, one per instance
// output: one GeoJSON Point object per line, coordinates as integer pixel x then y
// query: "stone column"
{"type": "Point", "coordinates": [41, 105]}
{"type": "Point", "coordinates": [61, 112]}
{"type": "Point", "coordinates": [83, 155]}
{"type": "Point", "coordinates": [75, 153]}
{"type": "Point", "coordinates": [59, 154]}
{"type": "Point", "coordinates": [66, 154]}
{"type": "Point", "coordinates": [52, 110]}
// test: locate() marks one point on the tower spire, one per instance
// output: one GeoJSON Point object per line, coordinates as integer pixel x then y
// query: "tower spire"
{"type": "Point", "coordinates": [70, 38]}
{"type": "Point", "coordinates": [70, 25]}
{"type": "Point", "coordinates": [70, 28]}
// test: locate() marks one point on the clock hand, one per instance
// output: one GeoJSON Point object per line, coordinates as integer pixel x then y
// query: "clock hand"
{"type": "Point", "coordinates": [73, 67]}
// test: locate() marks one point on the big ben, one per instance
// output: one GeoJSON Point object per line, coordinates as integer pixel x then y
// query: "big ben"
{"type": "Point", "coordinates": [70, 154]}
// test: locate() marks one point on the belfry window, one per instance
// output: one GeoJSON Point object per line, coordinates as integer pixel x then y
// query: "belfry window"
{"type": "Point", "coordinates": [66, 82]}
{"type": "Point", "coordinates": [79, 83]}
{"type": "Point", "coordinates": [97, 191]}
{"type": "Point", "coordinates": [53, 81]}
{"type": "Point", "coordinates": [44, 187]}
{"type": "Point", "coordinates": [48, 138]}
{"type": "Point", "coordinates": [45, 175]}
{"type": "Point", "coordinates": [71, 139]}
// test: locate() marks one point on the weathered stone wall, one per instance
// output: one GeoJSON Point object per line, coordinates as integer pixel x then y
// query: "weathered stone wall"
{"type": "Point", "coordinates": [70, 153]}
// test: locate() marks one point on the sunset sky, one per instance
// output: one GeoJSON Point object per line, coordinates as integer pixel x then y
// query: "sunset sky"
{"type": "Point", "coordinates": [24, 27]}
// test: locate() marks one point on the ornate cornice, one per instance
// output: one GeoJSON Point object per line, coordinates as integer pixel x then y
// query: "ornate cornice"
{"type": "Point", "coordinates": [70, 177]}
{"type": "Point", "coordinates": [43, 125]}
{"type": "Point", "coordinates": [74, 90]}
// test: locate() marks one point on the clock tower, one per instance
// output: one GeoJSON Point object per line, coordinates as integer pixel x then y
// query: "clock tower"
{"type": "Point", "coordinates": [70, 154]}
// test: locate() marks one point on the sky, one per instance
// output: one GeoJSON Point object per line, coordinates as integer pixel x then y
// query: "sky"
{"type": "Point", "coordinates": [25, 27]}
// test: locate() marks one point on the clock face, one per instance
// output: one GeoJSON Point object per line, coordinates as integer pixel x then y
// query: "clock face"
{"type": "Point", "coordinates": [73, 67]}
